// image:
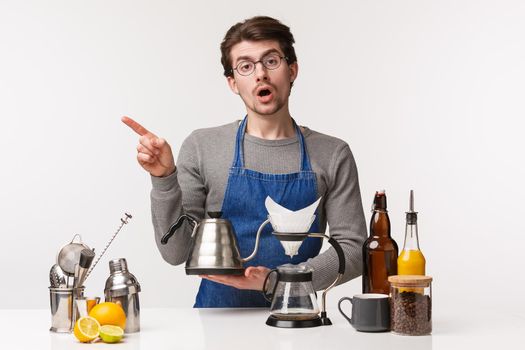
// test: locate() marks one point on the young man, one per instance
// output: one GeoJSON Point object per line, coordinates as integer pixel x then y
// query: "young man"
{"type": "Point", "coordinates": [234, 167]}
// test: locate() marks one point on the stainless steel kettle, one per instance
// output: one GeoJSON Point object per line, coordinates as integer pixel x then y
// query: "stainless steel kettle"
{"type": "Point", "coordinates": [214, 249]}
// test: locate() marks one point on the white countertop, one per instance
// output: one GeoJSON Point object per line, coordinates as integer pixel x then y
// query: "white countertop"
{"type": "Point", "coordinates": [187, 328]}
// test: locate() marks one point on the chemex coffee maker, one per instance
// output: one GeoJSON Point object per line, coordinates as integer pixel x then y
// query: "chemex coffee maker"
{"type": "Point", "coordinates": [214, 251]}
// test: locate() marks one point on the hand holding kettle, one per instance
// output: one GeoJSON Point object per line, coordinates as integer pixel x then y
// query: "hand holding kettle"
{"type": "Point", "coordinates": [253, 278]}
{"type": "Point", "coordinates": [153, 153]}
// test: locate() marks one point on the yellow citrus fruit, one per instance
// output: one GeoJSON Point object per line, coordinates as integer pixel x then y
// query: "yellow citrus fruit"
{"type": "Point", "coordinates": [109, 313]}
{"type": "Point", "coordinates": [111, 334]}
{"type": "Point", "coordinates": [86, 329]}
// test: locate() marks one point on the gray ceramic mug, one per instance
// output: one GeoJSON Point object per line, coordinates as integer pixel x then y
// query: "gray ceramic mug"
{"type": "Point", "coordinates": [370, 312]}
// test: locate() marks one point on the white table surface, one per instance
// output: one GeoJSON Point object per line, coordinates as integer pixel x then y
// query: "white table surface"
{"type": "Point", "coordinates": [187, 328]}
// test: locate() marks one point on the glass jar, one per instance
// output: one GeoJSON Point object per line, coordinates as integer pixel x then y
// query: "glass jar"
{"type": "Point", "coordinates": [411, 304]}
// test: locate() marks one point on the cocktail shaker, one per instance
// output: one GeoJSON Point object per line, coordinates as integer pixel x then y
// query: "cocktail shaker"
{"type": "Point", "coordinates": [123, 288]}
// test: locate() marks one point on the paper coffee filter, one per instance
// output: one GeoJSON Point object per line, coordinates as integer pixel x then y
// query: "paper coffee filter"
{"type": "Point", "coordinates": [289, 223]}
{"type": "Point", "coordinates": [286, 220]}
{"type": "Point", "coordinates": [274, 208]}
{"type": "Point", "coordinates": [291, 248]}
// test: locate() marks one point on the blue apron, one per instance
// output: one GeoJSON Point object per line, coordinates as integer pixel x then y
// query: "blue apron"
{"type": "Point", "coordinates": [244, 206]}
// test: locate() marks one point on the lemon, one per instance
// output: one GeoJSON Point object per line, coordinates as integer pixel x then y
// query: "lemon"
{"type": "Point", "coordinates": [86, 329]}
{"type": "Point", "coordinates": [111, 334]}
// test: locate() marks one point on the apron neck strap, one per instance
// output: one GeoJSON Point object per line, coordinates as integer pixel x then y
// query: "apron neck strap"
{"type": "Point", "coordinates": [238, 159]}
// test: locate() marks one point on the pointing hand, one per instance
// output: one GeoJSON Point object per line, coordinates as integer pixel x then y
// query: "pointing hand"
{"type": "Point", "coordinates": [153, 153]}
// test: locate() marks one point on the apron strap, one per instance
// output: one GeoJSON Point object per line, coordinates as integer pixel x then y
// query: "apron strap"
{"type": "Point", "coordinates": [238, 159]}
{"type": "Point", "coordinates": [305, 159]}
{"type": "Point", "coordinates": [238, 155]}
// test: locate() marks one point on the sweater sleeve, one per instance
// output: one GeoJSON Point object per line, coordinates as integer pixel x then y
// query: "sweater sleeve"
{"type": "Point", "coordinates": [345, 218]}
{"type": "Point", "coordinates": [182, 192]}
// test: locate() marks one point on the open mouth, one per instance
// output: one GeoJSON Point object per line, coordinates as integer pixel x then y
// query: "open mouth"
{"type": "Point", "coordinates": [264, 92]}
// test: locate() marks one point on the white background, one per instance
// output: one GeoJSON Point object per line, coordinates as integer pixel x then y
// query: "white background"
{"type": "Point", "coordinates": [429, 95]}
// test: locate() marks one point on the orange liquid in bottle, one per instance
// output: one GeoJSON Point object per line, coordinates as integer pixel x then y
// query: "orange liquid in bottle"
{"type": "Point", "coordinates": [411, 262]}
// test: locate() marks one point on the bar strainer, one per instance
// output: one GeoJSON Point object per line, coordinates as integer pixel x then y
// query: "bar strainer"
{"type": "Point", "coordinates": [69, 255]}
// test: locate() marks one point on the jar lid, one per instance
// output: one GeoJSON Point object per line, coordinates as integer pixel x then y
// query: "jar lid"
{"type": "Point", "coordinates": [409, 280]}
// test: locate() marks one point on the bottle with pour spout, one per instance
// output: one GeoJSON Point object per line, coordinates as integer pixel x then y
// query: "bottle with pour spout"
{"type": "Point", "coordinates": [379, 250]}
{"type": "Point", "coordinates": [411, 260]}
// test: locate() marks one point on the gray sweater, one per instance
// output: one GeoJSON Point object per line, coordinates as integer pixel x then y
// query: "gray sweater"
{"type": "Point", "coordinates": [199, 183]}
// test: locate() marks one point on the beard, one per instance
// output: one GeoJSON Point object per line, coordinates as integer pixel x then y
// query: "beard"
{"type": "Point", "coordinates": [269, 109]}
{"type": "Point", "coordinates": [264, 109]}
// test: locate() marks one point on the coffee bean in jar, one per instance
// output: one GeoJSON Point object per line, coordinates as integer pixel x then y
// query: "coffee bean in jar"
{"type": "Point", "coordinates": [411, 304]}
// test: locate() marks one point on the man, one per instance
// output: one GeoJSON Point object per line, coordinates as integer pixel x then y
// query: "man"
{"type": "Point", "coordinates": [234, 167]}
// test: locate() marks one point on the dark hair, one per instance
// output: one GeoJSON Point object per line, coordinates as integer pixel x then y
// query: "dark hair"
{"type": "Point", "coordinates": [257, 29]}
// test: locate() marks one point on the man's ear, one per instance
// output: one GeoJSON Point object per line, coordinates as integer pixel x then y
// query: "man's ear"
{"type": "Point", "coordinates": [294, 70]}
{"type": "Point", "coordinates": [232, 84]}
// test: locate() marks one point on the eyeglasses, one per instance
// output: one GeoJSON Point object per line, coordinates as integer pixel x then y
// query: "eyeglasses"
{"type": "Point", "coordinates": [271, 62]}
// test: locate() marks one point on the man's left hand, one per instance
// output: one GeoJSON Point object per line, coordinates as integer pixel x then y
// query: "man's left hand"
{"type": "Point", "coordinates": [253, 278]}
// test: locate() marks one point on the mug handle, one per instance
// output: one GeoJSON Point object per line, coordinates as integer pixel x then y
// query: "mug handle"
{"type": "Point", "coordinates": [341, 311]}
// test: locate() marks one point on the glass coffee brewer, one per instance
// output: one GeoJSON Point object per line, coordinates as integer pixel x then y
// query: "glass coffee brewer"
{"type": "Point", "coordinates": [293, 298]}
{"type": "Point", "coordinates": [214, 250]}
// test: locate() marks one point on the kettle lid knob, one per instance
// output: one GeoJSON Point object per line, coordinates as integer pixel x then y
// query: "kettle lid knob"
{"type": "Point", "coordinates": [215, 214]}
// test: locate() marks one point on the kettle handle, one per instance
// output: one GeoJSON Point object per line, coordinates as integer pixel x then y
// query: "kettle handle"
{"type": "Point", "coordinates": [176, 225]}
{"type": "Point", "coordinates": [259, 231]}
{"type": "Point", "coordinates": [265, 291]}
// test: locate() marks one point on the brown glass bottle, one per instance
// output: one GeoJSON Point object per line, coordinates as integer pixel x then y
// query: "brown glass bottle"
{"type": "Point", "coordinates": [379, 250]}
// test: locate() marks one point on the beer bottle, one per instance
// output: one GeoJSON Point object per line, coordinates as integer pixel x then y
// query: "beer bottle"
{"type": "Point", "coordinates": [379, 250]}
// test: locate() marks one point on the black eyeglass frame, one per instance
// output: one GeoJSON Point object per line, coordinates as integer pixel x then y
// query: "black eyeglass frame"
{"type": "Point", "coordinates": [261, 62]}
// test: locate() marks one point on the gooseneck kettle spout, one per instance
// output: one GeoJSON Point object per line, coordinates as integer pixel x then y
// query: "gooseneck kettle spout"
{"type": "Point", "coordinates": [256, 248]}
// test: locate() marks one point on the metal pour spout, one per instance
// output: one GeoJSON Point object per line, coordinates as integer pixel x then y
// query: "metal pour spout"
{"type": "Point", "coordinates": [256, 248]}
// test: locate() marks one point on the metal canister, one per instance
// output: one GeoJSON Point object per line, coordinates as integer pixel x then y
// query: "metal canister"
{"type": "Point", "coordinates": [123, 288]}
{"type": "Point", "coordinates": [62, 308]}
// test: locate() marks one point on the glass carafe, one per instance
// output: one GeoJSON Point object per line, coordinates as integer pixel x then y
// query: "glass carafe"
{"type": "Point", "coordinates": [293, 296]}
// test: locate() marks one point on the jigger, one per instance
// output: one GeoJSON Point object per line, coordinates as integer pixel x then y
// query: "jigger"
{"type": "Point", "coordinates": [86, 258]}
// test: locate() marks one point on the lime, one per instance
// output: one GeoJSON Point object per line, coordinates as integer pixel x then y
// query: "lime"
{"type": "Point", "coordinates": [111, 334]}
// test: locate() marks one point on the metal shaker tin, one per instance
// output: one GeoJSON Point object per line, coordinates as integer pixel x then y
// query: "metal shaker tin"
{"type": "Point", "coordinates": [123, 288]}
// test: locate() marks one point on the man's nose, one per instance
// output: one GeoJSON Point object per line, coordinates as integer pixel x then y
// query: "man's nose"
{"type": "Point", "coordinates": [261, 72]}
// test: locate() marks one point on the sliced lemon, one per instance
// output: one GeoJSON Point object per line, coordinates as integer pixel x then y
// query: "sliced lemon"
{"type": "Point", "coordinates": [111, 334]}
{"type": "Point", "coordinates": [86, 329]}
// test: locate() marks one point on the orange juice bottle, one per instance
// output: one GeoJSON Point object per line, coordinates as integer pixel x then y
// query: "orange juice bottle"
{"type": "Point", "coordinates": [411, 260]}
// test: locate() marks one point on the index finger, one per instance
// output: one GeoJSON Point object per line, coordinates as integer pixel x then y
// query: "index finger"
{"type": "Point", "coordinates": [139, 129]}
